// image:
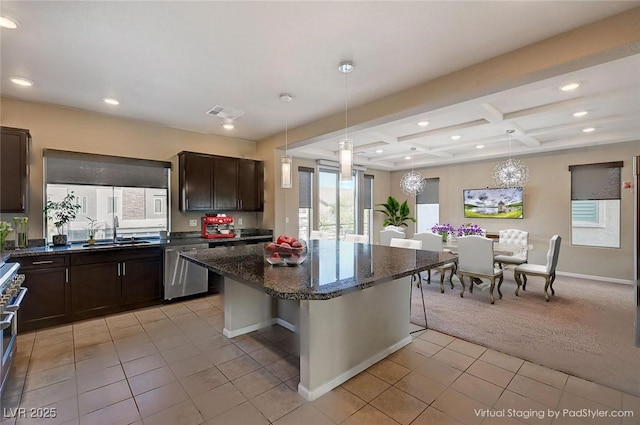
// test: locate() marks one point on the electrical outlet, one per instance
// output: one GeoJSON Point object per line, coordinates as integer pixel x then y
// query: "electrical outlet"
{"type": "Point", "coordinates": [239, 221]}
{"type": "Point", "coordinates": [193, 223]}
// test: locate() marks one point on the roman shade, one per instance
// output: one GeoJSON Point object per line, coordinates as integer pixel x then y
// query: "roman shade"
{"type": "Point", "coordinates": [305, 180]}
{"type": "Point", "coordinates": [431, 192]}
{"type": "Point", "coordinates": [596, 181]}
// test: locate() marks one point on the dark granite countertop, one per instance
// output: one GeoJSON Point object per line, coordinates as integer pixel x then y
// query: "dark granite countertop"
{"type": "Point", "coordinates": [331, 269]}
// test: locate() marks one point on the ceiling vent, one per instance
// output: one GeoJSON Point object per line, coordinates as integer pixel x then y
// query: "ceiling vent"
{"type": "Point", "coordinates": [225, 112]}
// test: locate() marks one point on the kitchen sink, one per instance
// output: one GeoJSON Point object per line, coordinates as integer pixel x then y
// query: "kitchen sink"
{"type": "Point", "coordinates": [127, 242]}
{"type": "Point", "coordinates": [130, 242]}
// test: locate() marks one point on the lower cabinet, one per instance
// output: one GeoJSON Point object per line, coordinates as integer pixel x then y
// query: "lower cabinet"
{"type": "Point", "coordinates": [78, 286]}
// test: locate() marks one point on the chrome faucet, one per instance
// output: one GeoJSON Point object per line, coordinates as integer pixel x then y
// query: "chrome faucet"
{"type": "Point", "coordinates": [115, 228]}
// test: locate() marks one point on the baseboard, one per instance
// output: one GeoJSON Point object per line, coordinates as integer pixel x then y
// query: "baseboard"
{"type": "Point", "coordinates": [286, 325]}
{"type": "Point", "coordinates": [345, 376]}
{"type": "Point", "coordinates": [600, 278]}
{"type": "Point", "coordinates": [247, 329]}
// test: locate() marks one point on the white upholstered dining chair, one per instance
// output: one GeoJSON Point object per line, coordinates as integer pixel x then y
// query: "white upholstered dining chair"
{"type": "Point", "coordinates": [475, 259]}
{"type": "Point", "coordinates": [387, 234]}
{"type": "Point", "coordinates": [548, 271]}
{"type": "Point", "coordinates": [350, 237]}
{"type": "Point", "coordinates": [318, 234]}
{"type": "Point", "coordinates": [415, 245]}
{"type": "Point", "coordinates": [433, 242]}
{"type": "Point", "coordinates": [514, 237]}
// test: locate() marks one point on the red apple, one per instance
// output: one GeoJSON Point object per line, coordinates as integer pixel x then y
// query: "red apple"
{"type": "Point", "coordinates": [285, 249]}
{"type": "Point", "coordinates": [275, 257]}
{"type": "Point", "coordinates": [296, 244]}
{"type": "Point", "coordinates": [270, 248]}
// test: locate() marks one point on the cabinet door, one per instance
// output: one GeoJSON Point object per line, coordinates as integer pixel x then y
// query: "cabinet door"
{"type": "Point", "coordinates": [225, 184]}
{"type": "Point", "coordinates": [196, 183]}
{"type": "Point", "coordinates": [13, 170]}
{"type": "Point", "coordinates": [141, 280]}
{"type": "Point", "coordinates": [250, 185]}
{"type": "Point", "coordinates": [95, 288]}
{"type": "Point", "coordinates": [47, 302]}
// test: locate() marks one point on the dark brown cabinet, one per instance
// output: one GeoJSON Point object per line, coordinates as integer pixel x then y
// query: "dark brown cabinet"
{"type": "Point", "coordinates": [95, 289]}
{"type": "Point", "coordinates": [140, 279]}
{"type": "Point", "coordinates": [14, 170]}
{"type": "Point", "coordinates": [220, 183]}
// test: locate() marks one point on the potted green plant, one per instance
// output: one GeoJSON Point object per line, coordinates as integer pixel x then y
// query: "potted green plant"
{"type": "Point", "coordinates": [397, 214]}
{"type": "Point", "coordinates": [93, 226]}
{"type": "Point", "coordinates": [61, 213]}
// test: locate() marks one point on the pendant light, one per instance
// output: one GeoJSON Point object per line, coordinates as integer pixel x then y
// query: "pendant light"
{"type": "Point", "coordinates": [346, 145]}
{"type": "Point", "coordinates": [412, 183]}
{"type": "Point", "coordinates": [512, 172]}
{"type": "Point", "coordinates": [286, 163]}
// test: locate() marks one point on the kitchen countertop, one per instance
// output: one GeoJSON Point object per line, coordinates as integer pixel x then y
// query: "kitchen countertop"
{"type": "Point", "coordinates": [331, 269]}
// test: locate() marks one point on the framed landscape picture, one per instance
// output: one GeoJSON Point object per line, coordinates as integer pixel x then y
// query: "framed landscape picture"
{"type": "Point", "coordinates": [493, 203]}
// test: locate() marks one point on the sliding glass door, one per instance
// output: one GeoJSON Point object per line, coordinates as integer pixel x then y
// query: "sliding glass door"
{"type": "Point", "coordinates": [336, 204]}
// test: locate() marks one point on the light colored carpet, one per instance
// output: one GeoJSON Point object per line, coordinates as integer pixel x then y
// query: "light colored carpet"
{"type": "Point", "coordinates": [585, 330]}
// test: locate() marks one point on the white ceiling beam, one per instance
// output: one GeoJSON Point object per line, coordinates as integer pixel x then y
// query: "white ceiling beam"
{"type": "Point", "coordinates": [443, 130]}
{"type": "Point", "coordinates": [383, 137]}
{"type": "Point", "coordinates": [491, 113]}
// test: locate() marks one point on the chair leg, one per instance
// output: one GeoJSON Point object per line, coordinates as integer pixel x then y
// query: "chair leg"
{"type": "Point", "coordinates": [471, 279]}
{"type": "Point", "coordinates": [461, 277]}
{"type": "Point", "coordinates": [499, 285]}
{"type": "Point", "coordinates": [493, 284]}
{"type": "Point", "coordinates": [553, 278]}
{"type": "Point", "coordinates": [424, 309]}
{"type": "Point", "coordinates": [524, 282]}
{"type": "Point", "coordinates": [516, 276]}
{"type": "Point", "coordinates": [442, 273]}
{"type": "Point", "coordinates": [546, 286]}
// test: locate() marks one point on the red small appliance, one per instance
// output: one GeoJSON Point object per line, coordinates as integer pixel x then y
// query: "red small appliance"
{"type": "Point", "coordinates": [216, 226]}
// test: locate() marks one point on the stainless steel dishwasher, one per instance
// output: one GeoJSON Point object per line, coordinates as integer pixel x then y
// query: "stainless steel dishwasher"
{"type": "Point", "coordinates": [181, 277]}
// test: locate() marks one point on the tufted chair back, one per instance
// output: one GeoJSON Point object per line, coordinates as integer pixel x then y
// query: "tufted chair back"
{"type": "Point", "coordinates": [406, 243]}
{"type": "Point", "coordinates": [430, 241]}
{"type": "Point", "coordinates": [475, 254]}
{"type": "Point", "coordinates": [387, 234]}
{"type": "Point", "coordinates": [516, 237]}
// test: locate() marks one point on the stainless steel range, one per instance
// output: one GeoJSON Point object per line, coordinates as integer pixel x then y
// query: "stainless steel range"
{"type": "Point", "coordinates": [11, 295]}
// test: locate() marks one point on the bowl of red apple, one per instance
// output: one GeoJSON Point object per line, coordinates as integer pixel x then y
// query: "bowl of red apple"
{"type": "Point", "coordinates": [285, 251]}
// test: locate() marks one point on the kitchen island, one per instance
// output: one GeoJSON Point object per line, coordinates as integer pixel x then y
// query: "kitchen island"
{"type": "Point", "coordinates": [349, 303]}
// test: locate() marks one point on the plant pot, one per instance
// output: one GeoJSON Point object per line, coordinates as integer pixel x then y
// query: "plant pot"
{"type": "Point", "coordinates": [59, 240]}
{"type": "Point", "coordinates": [91, 241]}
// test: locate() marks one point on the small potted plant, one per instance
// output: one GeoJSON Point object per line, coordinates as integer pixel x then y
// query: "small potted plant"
{"type": "Point", "coordinates": [5, 229]}
{"type": "Point", "coordinates": [444, 230]}
{"type": "Point", "coordinates": [61, 213]}
{"type": "Point", "coordinates": [397, 214]}
{"type": "Point", "coordinates": [93, 226]}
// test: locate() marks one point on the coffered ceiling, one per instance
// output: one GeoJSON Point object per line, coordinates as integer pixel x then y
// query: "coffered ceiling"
{"type": "Point", "coordinates": [170, 62]}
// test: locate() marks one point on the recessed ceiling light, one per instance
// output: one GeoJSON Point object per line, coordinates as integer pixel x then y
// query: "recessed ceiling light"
{"type": "Point", "coordinates": [21, 81]}
{"type": "Point", "coordinates": [228, 126]}
{"type": "Point", "coordinates": [110, 101]}
{"type": "Point", "coordinates": [379, 151]}
{"type": "Point", "coordinates": [408, 157]}
{"type": "Point", "coordinates": [479, 146]}
{"type": "Point", "coordinates": [456, 137]}
{"type": "Point", "coordinates": [423, 123]}
{"type": "Point", "coordinates": [580, 113]}
{"type": "Point", "coordinates": [8, 23]}
{"type": "Point", "coordinates": [570, 86]}
{"type": "Point", "coordinates": [588, 130]}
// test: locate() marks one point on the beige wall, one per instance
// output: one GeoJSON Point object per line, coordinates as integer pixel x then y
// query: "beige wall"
{"type": "Point", "coordinates": [61, 128]}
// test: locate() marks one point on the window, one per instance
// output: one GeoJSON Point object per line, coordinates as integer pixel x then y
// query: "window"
{"type": "Point", "coordinates": [336, 203]}
{"type": "Point", "coordinates": [305, 201]}
{"type": "Point", "coordinates": [367, 217]}
{"type": "Point", "coordinates": [595, 204]}
{"type": "Point", "coordinates": [428, 205]}
{"type": "Point", "coordinates": [135, 192]}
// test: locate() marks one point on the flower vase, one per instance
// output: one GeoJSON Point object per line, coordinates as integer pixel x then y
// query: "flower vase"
{"type": "Point", "coordinates": [444, 237]}
{"type": "Point", "coordinates": [22, 240]}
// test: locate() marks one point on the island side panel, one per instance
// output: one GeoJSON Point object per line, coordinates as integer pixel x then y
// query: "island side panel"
{"type": "Point", "coordinates": [245, 309]}
{"type": "Point", "coordinates": [343, 336]}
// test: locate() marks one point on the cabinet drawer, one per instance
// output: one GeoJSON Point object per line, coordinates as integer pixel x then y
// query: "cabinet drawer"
{"type": "Point", "coordinates": [42, 261]}
{"type": "Point", "coordinates": [122, 254]}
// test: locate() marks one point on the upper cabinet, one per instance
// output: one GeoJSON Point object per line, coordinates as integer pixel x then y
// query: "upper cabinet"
{"type": "Point", "coordinates": [14, 170]}
{"type": "Point", "coordinates": [220, 183]}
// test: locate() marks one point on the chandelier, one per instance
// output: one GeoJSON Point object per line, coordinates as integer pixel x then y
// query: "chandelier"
{"type": "Point", "coordinates": [346, 145]}
{"type": "Point", "coordinates": [412, 183]}
{"type": "Point", "coordinates": [512, 172]}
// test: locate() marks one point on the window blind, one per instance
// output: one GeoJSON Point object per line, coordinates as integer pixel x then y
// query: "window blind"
{"type": "Point", "coordinates": [368, 192]}
{"type": "Point", "coordinates": [64, 167]}
{"type": "Point", "coordinates": [305, 181]}
{"type": "Point", "coordinates": [431, 192]}
{"type": "Point", "coordinates": [596, 181]}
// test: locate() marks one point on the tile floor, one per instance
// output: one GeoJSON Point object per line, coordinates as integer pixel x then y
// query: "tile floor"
{"type": "Point", "coordinates": [171, 365]}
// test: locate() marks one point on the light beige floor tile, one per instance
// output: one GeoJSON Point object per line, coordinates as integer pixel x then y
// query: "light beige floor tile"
{"type": "Point", "coordinates": [49, 394]}
{"type": "Point", "coordinates": [433, 416]}
{"type": "Point", "coordinates": [46, 363]}
{"type": "Point", "coordinates": [48, 377]}
{"type": "Point", "coordinates": [48, 332]}
{"type": "Point", "coordinates": [238, 367]}
{"type": "Point", "coordinates": [453, 358]}
{"type": "Point", "coordinates": [13, 386]}
{"type": "Point", "coordinates": [103, 397]}
{"type": "Point", "coordinates": [122, 413]}
{"type": "Point", "coordinates": [338, 404]}
{"type": "Point", "coordinates": [488, 372]}
{"type": "Point", "coordinates": [398, 405]}
{"type": "Point", "coordinates": [502, 360]}
{"type": "Point", "coordinates": [53, 414]}
{"type": "Point", "coordinates": [596, 392]}
{"type": "Point", "coordinates": [543, 374]}
{"type": "Point", "coordinates": [213, 343]}
{"type": "Point", "coordinates": [293, 383]}
{"type": "Point", "coordinates": [407, 358]}
{"type": "Point", "coordinates": [426, 348]}
{"type": "Point", "coordinates": [96, 363]}
{"type": "Point", "coordinates": [186, 367]}
{"type": "Point", "coordinates": [565, 420]}
{"type": "Point", "coordinates": [630, 403]}
{"type": "Point", "coordinates": [121, 321]}
{"type": "Point", "coordinates": [505, 421]}
{"type": "Point", "coordinates": [243, 414]}
{"type": "Point", "coordinates": [305, 414]}
{"type": "Point", "coordinates": [437, 338]}
{"type": "Point", "coordinates": [460, 407]}
{"type": "Point", "coordinates": [438, 371]}
{"type": "Point", "coordinates": [223, 354]}
{"type": "Point", "coordinates": [126, 332]}
{"type": "Point", "coordinates": [218, 400]}
{"type": "Point", "coordinates": [286, 368]}
{"type": "Point", "coordinates": [467, 348]}
{"type": "Point", "coordinates": [543, 393]}
{"type": "Point", "coordinates": [159, 399]}
{"type": "Point", "coordinates": [369, 415]}
{"type": "Point", "coordinates": [184, 413]}
{"type": "Point", "coordinates": [43, 341]}
{"type": "Point", "coordinates": [388, 371]}
{"type": "Point", "coordinates": [203, 381]}
{"type": "Point", "coordinates": [277, 402]}
{"type": "Point", "coordinates": [179, 353]}
{"type": "Point", "coordinates": [266, 356]}
{"type": "Point", "coordinates": [479, 389]}
{"type": "Point", "coordinates": [253, 343]}
{"type": "Point", "coordinates": [91, 380]}
{"type": "Point", "coordinates": [366, 386]}
{"type": "Point", "coordinates": [91, 340]}
{"type": "Point", "coordinates": [171, 341]}
{"type": "Point", "coordinates": [574, 404]}
{"type": "Point", "coordinates": [521, 405]}
{"type": "Point", "coordinates": [256, 382]}
{"type": "Point", "coordinates": [134, 351]}
{"type": "Point", "coordinates": [143, 364]}
{"type": "Point", "coordinates": [148, 381]}
{"type": "Point", "coordinates": [420, 387]}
